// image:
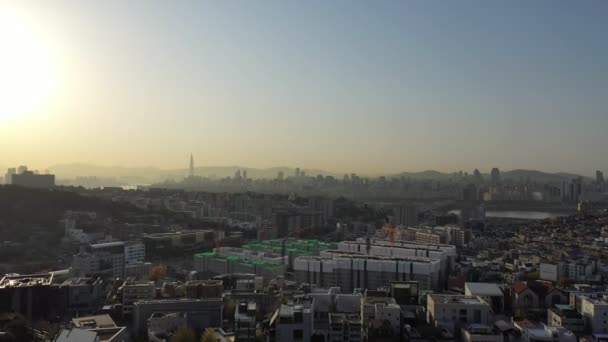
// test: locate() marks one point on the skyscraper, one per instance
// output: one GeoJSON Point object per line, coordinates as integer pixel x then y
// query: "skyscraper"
{"type": "Point", "coordinates": [405, 215]}
{"type": "Point", "coordinates": [191, 174]}
{"type": "Point", "coordinates": [599, 180]}
{"type": "Point", "coordinates": [8, 178]}
{"type": "Point", "coordinates": [495, 175]}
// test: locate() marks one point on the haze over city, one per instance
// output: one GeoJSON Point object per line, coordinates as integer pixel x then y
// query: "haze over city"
{"type": "Point", "coordinates": [303, 171]}
{"type": "Point", "coordinates": [343, 86]}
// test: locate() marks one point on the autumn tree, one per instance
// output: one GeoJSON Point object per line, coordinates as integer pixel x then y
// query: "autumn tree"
{"type": "Point", "coordinates": [184, 334]}
{"type": "Point", "coordinates": [157, 273]}
{"type": "Point", "coordinates": [208, 335]}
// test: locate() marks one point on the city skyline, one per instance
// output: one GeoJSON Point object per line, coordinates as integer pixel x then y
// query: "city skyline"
{"type": "Point", "coordinates": [336, 86]}
{"type": "Point", "coordinates": [192, 169]}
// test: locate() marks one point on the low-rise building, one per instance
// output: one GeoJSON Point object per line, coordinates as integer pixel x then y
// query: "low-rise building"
{"type": "Point", "coordinates": [245, 322]}
{"type": "Point", "coordinates": [202, 313]}
{"type": "Point", "coordinates": [292, 322]}
{"type": "Point", "coordinates": [595, 312]}
{"type": "Point", "coordinates": [204, 289]}
{"type": "Point", "coordinates": [345, 327]}
{"type": "Point", "coordinates": [161, 326]}
{"type": "Point", "coordinates": [31, 295]}
{"type": "Point", "coordinates": [563, 315]}
{"type": "Point", "coordinates": [481, 333]}
{"type": "Point", "coordinates": [456, 311]}
{"type": "Point", "coordinates": [102, 326]}
{"type": "Point", "coordinates": [82, 295]}
{"type": "Point", "coordinates": [381, 316]}
{"type": "Point", "coordinates": [490, 292]}
{"type": "Point", "coordinates": [536, 332]}
{"type": "Point", "coordinates": [134, 291]}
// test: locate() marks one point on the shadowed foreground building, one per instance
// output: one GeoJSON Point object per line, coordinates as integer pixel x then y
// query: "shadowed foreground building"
{"type": "Point", "coordinates": [202, 313]}
{"type": "Point", "coordinates": [31, 295]}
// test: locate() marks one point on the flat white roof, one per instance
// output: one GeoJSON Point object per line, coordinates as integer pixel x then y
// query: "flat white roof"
{"type": "Point", "coordinates": [484, 289]}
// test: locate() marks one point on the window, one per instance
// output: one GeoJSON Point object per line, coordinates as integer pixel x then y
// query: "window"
{"type": "Point", "coordinates": [298, 334]}
{"type": "Point", "coordinates": [477, 316]}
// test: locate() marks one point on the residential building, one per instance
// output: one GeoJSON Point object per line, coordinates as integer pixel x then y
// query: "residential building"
{"type": "Point", "coordinates": [161, 326]}
{"type": "Point", "coordinates": [481, 333]}
{"type": "Point", "coordinates": [31, 295]}
{"type": "Point", "coordinates": [455, 311]}
{"type": "Point", "coordinates": [562, 315]}
{"type": "Point", "coordinates": [197, 289]}
{"type": "Point", "coordinates": [292, 322]}
{"type": "Point", "coordinates": [245, 322]}
{"type": "Point", "coordinates": [83, 295]}
{"type": "Point", "coordinates": [345, 327]}
{"type": "Point", "coordinates": [134, 291]}
{"type": "Point", "coordinates": [115, 259]}
{"type": "Point", "coordinates": [377, 312]}
{"type": "Point", "coordinates": [30, 179]}
{"type": "Point", "coordinates": [536, 332]}
{"type": "Point", "coordinates": [405, 215]}
{"type": "Point", "coordinates": [595, 312]}
{"type": "Point", "coordinates": [104, 328]}
{"type": "Point", "coordinates": [202, 313]}
{"type": "Point", "coordinates": [490, 292]}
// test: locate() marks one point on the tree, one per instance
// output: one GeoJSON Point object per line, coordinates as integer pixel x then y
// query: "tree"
{"type": "Point", "coordinates": [564, 282]}
{"type": "Point", "coordinates": [208, 335]}
{"type": "Point", "coordinates": [229, 310]}
{"type": "Point", "coordinates": [184, 334]}
{"type": "Point", "coordinates": [157, 272]}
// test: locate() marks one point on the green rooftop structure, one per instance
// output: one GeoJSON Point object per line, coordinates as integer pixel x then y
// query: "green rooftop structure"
{"type": "Point", "coordinates": [295, 247]}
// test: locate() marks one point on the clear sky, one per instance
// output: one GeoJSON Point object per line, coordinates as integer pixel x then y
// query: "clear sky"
{"type": "Point", "coordinates": [362, 86]}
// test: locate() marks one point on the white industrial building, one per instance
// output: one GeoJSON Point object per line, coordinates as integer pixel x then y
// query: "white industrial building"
{"type": "Point", "coordinates": [353, 270]}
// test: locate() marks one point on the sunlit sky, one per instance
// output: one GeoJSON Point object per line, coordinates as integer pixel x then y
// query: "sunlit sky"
{"type": "Point", "coordinates": [362, 86]}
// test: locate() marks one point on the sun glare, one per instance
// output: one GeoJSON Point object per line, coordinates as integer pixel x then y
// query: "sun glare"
{"type": "Point", "coordinates": [27, 71]}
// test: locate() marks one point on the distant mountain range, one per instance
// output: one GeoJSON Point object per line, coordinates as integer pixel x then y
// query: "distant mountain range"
{"type": "Point", "coordinates": [144, 175]}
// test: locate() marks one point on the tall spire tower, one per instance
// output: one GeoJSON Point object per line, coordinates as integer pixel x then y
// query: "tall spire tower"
{"type": "Point", "coordinates": [191, 166]}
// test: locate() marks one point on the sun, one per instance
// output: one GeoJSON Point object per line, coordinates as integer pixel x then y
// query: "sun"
{"type": "Point", "coordinates": [27, 70]}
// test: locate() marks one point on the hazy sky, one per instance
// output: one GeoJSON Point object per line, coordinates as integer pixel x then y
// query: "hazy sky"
{"type": "Point", "coordinates": [364, 86]}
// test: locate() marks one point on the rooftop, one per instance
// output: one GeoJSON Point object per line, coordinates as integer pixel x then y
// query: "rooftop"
{"type": "Point", "coordinates": [80, 281]}
{"type": "Point", "coordinates": [108, 244]}
{"type": "Point", "coordinates": [568, 311]}
{"type": "Point", "coordinates": [92, 322]}
{"type": "Point", "coordinates": [484, 289]}
{"type": "Point", "coordinates": [239, 259]}
{"type": "Point", "coordinates": [457, 299]}
{"type": "Point", "coordinates": [481, 329]}
{"type": "Point", "coordinates": [336, 253]}
{"type": "Point", "coordinates": [294, 246]}
{"type": "Point", "coordinates": [599, 300]}
{"type": "Point", "coordinates": [16, 280]}
{"type": "Point", "coordinates": [172, 234]}
{"type": "Point", "coordinates": [411, 244]}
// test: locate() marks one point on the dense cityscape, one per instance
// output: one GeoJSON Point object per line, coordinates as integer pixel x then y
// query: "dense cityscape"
{"type": "Point", "coordinates": [303, 171]}
{"type": "Point", "coordinates": [392, 259]}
